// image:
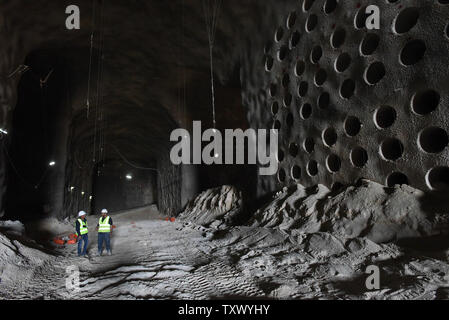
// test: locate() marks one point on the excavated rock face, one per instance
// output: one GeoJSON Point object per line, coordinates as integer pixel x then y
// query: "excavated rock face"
{"type": "Point", "coordinates": [354, 103]}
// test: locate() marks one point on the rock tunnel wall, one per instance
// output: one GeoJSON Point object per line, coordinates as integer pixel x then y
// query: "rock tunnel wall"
{"type": "Point", "coordinates": [353, 103]}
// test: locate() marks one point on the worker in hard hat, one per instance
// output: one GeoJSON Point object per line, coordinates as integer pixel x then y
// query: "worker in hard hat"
{"type": "Point", "coordinates": [81, 232]}
{"type": "Point", "coordinates": [104, 228]}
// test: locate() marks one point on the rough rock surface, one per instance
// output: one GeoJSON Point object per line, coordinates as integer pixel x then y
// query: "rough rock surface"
{"type": "Point", "coordinates": [370, 210]}
{"type": "Point", "coordinates": [214, 207]}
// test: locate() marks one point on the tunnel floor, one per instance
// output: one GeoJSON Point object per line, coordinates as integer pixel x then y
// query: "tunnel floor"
{"type": "Point", "coordinates": [157, 259]}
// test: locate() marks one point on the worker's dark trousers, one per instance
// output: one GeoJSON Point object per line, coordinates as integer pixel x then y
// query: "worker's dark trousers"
{"type": "Point", "coordinates": [106, 237]}
{"type": "Point", "coordinates": [84, 238]}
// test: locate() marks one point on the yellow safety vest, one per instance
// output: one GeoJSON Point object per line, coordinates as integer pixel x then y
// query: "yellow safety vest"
{"type": "Point", "coordinates": [104, 225]}
{"type": "Point", "coordinates": [83, 226]}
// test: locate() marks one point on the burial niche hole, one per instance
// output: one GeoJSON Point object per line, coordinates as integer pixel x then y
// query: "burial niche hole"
{"type": "Point", "coordinates": [391, 149]}
{"type": "Point", "coordinates": [396, 178]}
{"type": "Point", "coordinates": [358, 157]}
{"type": "Point", "coordinates": [433, 140]}
{"type": "Point", "coordinates": [413, 52]}
{"type": "Point", "coordinates": [384, 117]}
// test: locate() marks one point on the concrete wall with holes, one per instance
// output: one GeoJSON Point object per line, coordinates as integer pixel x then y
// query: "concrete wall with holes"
{"type": "Point", "coordinates": [354, 103]}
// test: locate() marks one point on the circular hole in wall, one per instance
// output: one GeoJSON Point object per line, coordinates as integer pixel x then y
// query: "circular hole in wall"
{"type": "Point", "coordinates": [296, 172]}
{"type": "Point", "coordinates": [274, 108]}
{"type": "Point", "coordinates": [307, 4]}
{"type": "Point", "coordinates": [358, 157]}
{"type": "Point", "coordinates": [311, 23]}
{"type": "Point", "coordinates": [406, 20]}
{"type": "Point", "coordinates": [300, 68]}
{"type": "Point", "coordinates": [413, 52]}
{"type": "Point", "coordinates": [374, 73]}
{"type": "Point", "coordinates": [277, 125]}
{"type": "Point", "coordinates": [269, 63]}
{"type": "Point", "coordinates": [330, 6]}
{"type": "Point", "coordinates": [329, 137]}
{"type": "Point", "coordinates": [384, 117]}
{"type": "Point", "coordinates": [347, 89]}
{"type": "Point", "coordinates": [289, 120]}
{"type": "Point", "coordinates": [333, 163]}
{"type": "Point", "coordinates": [438, 178]}
{"type": "Point", "coordinates": [391, 149]}
{"type": "Point", "coordinates": [282, 53]}
{"type": "Point", "coordinates": [320, 77]}
{"type": "Point", "coordinates": [279, 34]}
{"type": "Point", "coordinates": [316, 54]}
{"type": "Point", "coordinates": [426, 101]}
{"type": "Point", "coordinates": [281, 175]}
{"type": "Point", "coordinates": [360, 18]}
{"type": "Point", "coordinates": [342, 62]}
{"type": "Point", "coordinates": [302, 88]}
{"type": "Point", "coordinates": [433, 140]}
{"type": "Point", "coordinates": [306, 111]}
{"type": "Point", "coordinates": [287, 99]}
{"type": "Point", "coordinates": [285, 80]}
{"type": "Point", "coordinates": [396, 178]}
{"type": "Point", "coordinates": [312, 168]}
{"type": "Point", "coordinates": [309, 145]}
{"type": "Point", "coordinates": [294, 40]}
{"type": "Point", "coordinates": [369, 44]}
{"type": "Point", "coordinates": [352, 126]}
{"type": "Point", "coordinates": [293, 149]}
{"type": "Point", "coordinates": [323, 100]}
{"type": "Point", "coordinates": [338, 38]}
{"type": "Point", "coordinates": [281, 155]}
{"type": "Point", "coordinates": [291, 20]}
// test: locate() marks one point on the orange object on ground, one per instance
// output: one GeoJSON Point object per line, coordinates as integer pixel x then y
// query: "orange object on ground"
{"type": "Point", "coordinates": [72, 236]}
{"type": "Point", "coordinates": [166, 219]}
{"type": "Point", "coordinates": [58, 240]}
{"type": "Point", "coordinates": [72, 241]}
{"type": "Point", "coordinates": [172, 219]}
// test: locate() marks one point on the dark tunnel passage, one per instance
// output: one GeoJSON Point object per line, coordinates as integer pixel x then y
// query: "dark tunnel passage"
{"type": "Point", "coordinates": [38, 136]}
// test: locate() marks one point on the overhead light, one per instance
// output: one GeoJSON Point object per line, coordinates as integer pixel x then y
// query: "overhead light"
{"type": "Point", "coordinates": [52, 164]}
{"type": "Point", "coordinates": [129, 177]}
{"type": "Point", "coordinates": [3, 131]}
{"type": "Point", "coordinates": [82, 193]}
{"type": "Point", "coordinates": [90, 198]}
{"type": "Point", "coordinates": [72, 188]}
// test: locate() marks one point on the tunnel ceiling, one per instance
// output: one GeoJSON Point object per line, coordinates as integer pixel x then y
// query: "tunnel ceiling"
{"type": "Point", "coordinates": [150, 54]}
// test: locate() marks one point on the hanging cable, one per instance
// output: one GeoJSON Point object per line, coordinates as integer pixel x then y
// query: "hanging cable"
{"type": "Point", "coordinates": [90, 59]}
{"type": "Point", "coordinates": [211, 10]}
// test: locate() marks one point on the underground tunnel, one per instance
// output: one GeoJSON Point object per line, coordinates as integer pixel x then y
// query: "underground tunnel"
{"type": "Point", "coordinates": [337, 158]}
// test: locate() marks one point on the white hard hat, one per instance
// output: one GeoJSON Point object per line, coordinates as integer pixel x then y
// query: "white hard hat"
{"type": "Point", "coordinates": [81, 213]}
{"type": "Point", "coordinates": [104, 211]}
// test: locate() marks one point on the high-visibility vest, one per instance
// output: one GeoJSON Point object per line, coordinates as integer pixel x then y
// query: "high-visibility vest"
{"type": "Point", "coordinates": [83, 226]}
{"type": "Point", "coordinates": [104, 225]}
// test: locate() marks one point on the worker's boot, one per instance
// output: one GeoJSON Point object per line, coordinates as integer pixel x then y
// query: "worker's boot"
{"type": "Point", "coordinates": [109, 253]}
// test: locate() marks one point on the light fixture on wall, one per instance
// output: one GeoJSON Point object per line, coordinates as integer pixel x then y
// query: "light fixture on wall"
{"type": "Point", "coordinates": [129, 177]}
{"type": "Point", "coordinates": [3, 131]}
{"type": "Point", "coordinates": [52, 164]}
{"type": "Point", "coordinates": [82, 193]}
{"type": "Point", "coordinates": [72, 188]}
